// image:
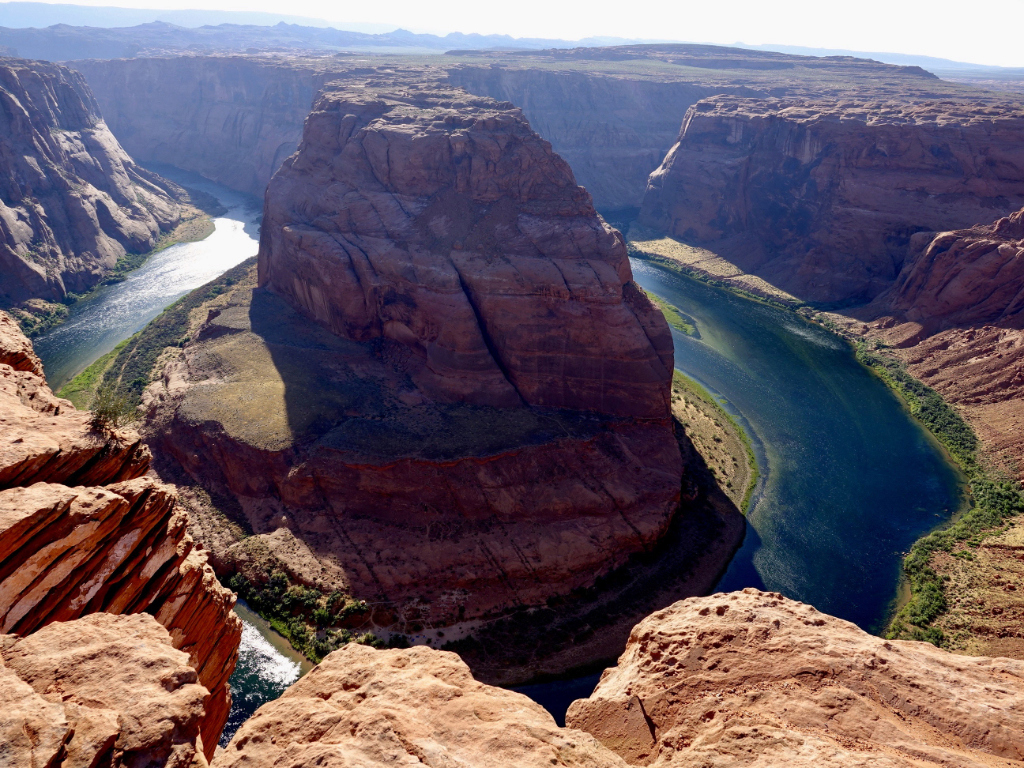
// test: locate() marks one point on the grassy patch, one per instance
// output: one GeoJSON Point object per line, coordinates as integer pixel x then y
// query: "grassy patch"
{"type": "Point", "coordinates": [993, 502]}
{"type": "Point", "coordinates": [683, 383]}
{"type": "Point", "coordinates": [672, 316]}
{"type": "Point", "coordinates": [81, 390]}
{"type": "Point", "coordinates": [36, 316]}
{"type": "Point", "coordinates": [132, 368]}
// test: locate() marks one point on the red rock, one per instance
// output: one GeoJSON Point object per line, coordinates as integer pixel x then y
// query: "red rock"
{"type": "Point", "coordinates": [71, 201]}
{"type": "Point", "coordinates": [67, 552]}
{"type": "Point", "coordinates": [361, 707]}
{"type": "Point", "coordinates": [110, 690]}
{"type": "Point", "coordinates": [820, 197]}
{"type": "Point", "coordinates": [754, 679]}
{"type": "Point", "coordinates": [442, 223]}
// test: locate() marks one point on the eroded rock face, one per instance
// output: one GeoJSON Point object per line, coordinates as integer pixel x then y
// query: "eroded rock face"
{"type": "Point", "coordinates": [441, 222]}
{"type": "Point", "coordinates": [81, 531]}
{"type": "Point", "coordinates": [365, 707]}
{"type": "Point", "coordinates": [101, 690]}
{"type": "Point", "coordinates": [971, 276]}
{"type": "Point", "coordinates": [820, 197]}
{"type": "Point", "coordinates": [754, 679]}
{"type": "Point", "coordinates": [71, 200]}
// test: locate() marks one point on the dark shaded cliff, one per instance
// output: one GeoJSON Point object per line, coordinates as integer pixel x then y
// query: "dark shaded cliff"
{"type": "Point", "coordinates": [71, 201]}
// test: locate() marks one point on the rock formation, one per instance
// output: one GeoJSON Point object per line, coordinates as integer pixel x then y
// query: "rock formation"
{"type": "Point", "coordinates": [754, 679]}
{"type": "Point", "coordinates": [400, 211]}
{"type": "Point", "coordinates": [485, 364]}
{"type": "Point", "coordinates": [101, 690]}
{"type": "Point", "coordinates": [71, 201]}
{"type": "Point", "coordinates": [81, 531]}
{"type": "Point", "coordinates": [417, 706]}
{"type": "Point", "coordinates": [820, 197]}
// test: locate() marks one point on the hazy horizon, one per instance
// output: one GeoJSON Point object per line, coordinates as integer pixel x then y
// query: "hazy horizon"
{"type": "Point", "coordinates": [895, 26]}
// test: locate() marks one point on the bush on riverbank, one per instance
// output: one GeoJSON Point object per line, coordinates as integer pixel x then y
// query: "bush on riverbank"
{"type": "Point", "coordinates": [314, 623]}
{"type": "Point", "coordinates": [993, 501]}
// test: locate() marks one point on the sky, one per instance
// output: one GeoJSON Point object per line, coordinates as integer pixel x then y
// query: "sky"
{"type": "Point", "coordinates": [983, 31]}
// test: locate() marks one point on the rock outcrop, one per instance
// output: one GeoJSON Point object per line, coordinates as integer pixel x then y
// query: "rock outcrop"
{"type": "Point", "coordinates": [71, 201]}
{"type": "Point", "coordinates": [81, 531]}
{"type": "Point", "coordinates": [821, 197]}
{"type": "Point", "coordinates": [444, 224]}
{"type": "Point", "coordinates": [101, 690]}
{"type": "Point", "coordinates": [754, 679]}
{"type": "Point", "coordinates": [417, 706]}
{"type": "Point", "coordinates": [444, 322]}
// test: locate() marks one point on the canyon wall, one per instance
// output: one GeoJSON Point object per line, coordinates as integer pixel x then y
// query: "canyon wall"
{"type": "Point", "coordinates": [71, 200]}
{"type": "Point", "coordinates": [233, 119]}
{"type": "Point", "coordinates": [443, 322]}
{"type": "Point", "coordinates": [613, 131]}
{"type": "Point", "coordinates": [83, 531]}
{"type": "Point", "coordinates": [820, 198]}
{"type": "Point", "coordinates": [731, 680]}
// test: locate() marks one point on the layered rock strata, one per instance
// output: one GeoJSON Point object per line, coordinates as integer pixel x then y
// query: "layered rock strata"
{"type": "Point", "coordinates": [101, 690]}
{"type": "Point", "coordinates": [417, 706]}
{"type": "Point", "coordinates": [821, 197]}
{"type": "Point", "coordinates": [754, 679]}
{"type": "Point", "coordinates": [71, 200]}
{"type": "Point", "coordinates": [443, 322]}
{"type": "Point", "coordinates": [81, 531]}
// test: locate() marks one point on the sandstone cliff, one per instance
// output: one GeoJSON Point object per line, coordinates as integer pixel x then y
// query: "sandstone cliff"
{"type": "Point", "coordinates": [71, 201]}
{"type": "Point", "coordinates": [741, 679]}
{"type": "Point", "coordinates": [444, 224]}
{"type": "Point", "coordinates": [101, 690]}
{"type": "Point", "coordinates": [444, 323]}
{"type": "Point", "coordinates": [365, 707]}
{"type": "Point", "coordinates": [81, 531]}
{"type": "Point", "coordinates": [612, 113]}
{"type": "Point", "coordinates": [820, 197]}
{"type": "Point", "coordinates": [754, 679]}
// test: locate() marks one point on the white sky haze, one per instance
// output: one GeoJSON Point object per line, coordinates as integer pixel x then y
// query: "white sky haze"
{"type": "Point", "coordinates": [983, 31]}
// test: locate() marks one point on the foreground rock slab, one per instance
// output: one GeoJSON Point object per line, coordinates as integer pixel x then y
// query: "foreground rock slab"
{"type": "Point", "coordinates": [753, 679]}
{"type": "Point", "coordinates": [362, 707]}
{"type": "Point", "coordinates": [82, 532]}
{"type": "Point", "coordinates": [102, 690]}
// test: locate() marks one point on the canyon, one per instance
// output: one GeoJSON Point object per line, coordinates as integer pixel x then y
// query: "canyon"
{"type": "Point", "coordinates": [438, 400]}
{"type": "Point", "coordinates": [73, 202]}
{"type": "Point", "coordinates": [83, 532]}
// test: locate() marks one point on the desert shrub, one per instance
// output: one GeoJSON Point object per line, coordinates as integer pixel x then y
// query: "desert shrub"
{"type": "Point", "coordinates": [112, 408]}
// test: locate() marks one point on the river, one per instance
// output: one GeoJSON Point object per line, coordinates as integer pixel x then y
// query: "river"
{"type": "Point", "coordinates": [849, 479]}
{"type": "Point", "coordinates": [115, 312]}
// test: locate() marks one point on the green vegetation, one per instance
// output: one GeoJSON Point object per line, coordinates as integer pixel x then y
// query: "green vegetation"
{"type": "Point", "coordinates": [672, 316]}
{"type": "Point", "coordinates": [112, 409]}
{"type": "Point", "coordinates": [131, 370]}
{"type": "Point", "coordinates": [81, 390]}
{"type": "Point", "coordinates": [37, 316]}
{"type": "Point", "coordinates": [681, 382]}
{"type": "Point", "coordinates": [315, 624]}
{"type": "Point", "coordinates": [993, 502]}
